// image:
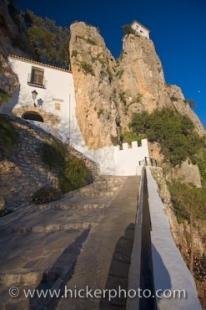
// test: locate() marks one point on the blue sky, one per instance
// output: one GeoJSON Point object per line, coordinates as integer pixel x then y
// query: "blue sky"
{"type": "Point", "coordinates": [178, 29]}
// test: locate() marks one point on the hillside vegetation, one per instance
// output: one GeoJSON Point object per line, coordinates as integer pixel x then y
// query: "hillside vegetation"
{"type": "Point", "coordinates": [179, 141]}
{"type": "Point", "coordinates": [41, 38]}
{"type": "Point", "coordinates": [35, 165]}
{"type": "Point", "coordinates": [72, 171]}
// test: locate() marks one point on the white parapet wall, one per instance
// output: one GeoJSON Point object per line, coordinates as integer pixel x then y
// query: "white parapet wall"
{"type": "Point", "coordinates": [169, 269]}
{"type": "Point", "coordinates": [113, 160]}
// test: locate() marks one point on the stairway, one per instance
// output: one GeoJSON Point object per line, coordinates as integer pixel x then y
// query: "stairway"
{"type": "Point", "coordinates": [40, 244]}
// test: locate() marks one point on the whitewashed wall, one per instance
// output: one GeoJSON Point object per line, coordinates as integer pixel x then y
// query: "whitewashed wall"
{"type": "Point", "coordinates": [140, 29]}
{"type": "Point", "coordinates": [120, 162]}
{"type": "Point", "coordinates": [59, 87]}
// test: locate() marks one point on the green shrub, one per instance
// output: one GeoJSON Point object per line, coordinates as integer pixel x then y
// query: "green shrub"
{"type": "Point", "coordinates": [200, 159]}
{"type": "Point", "coordinates": [8, 136]}
{"type": "Point", "coordinates": [75, 174]}
{"type": "Point", "coordinates": [87, 68]}
{"type": "Point", "coordinates": [46, 194]}
{"type": "Point", "coordinates": [4, 97]}
{"type": "Point", "coordinates": [173, 131]}
{"type": "Point", "coordinates": [72, 172]}
{"type": "Point", "coordinates": [53, 155]}
{"type": "Point", "coordinates": [188, 200]}
{"type": "Point", "coordinates": [42, 39]}
{"type": "Point", "coordinates": [129, 136]}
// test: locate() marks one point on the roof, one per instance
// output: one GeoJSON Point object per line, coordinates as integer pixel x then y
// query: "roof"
{"type": "Point", "coordinates": [136, 21]}
{"type": "Point", "coordinates": [29, 60]}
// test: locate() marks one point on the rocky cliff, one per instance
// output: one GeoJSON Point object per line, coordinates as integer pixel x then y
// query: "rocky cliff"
{"type": "Point", "coordinates": [8, 34]}
{"type": "Point", "coordinates": [93, 70]}
{"type": "Point", "coordinates": [109, 91]}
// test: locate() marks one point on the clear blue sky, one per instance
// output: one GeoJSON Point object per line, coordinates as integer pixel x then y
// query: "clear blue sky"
{"type": "Point", "coordinates": [178, 29]}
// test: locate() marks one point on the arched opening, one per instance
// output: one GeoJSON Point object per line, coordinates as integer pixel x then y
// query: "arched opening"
{"type": "Point", "coordinates": [33, 116]}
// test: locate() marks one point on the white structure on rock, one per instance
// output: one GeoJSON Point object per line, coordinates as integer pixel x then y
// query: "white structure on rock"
{"type": "Point", "coordinates": [140, 29]}
{"type": "Point", "coordinates": [47, 97]}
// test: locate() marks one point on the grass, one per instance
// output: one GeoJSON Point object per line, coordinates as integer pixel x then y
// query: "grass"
{"type": "Point", "coordinates": [8, 136]}
{"type": "Point", "coordinates": [72, 171]}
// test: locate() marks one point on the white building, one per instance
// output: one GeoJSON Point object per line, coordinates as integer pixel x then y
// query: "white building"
{"type": "Point", "coordinates": [140, 29]}
{"type": "Point", "coordinates": [47, 97]}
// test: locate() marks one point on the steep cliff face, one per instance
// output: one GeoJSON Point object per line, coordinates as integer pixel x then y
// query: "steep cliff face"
{"type": "Point", "coordinates": [8, 33]}
{"type": "Point", "coordinates": [142, 79]}
{"type": "Point", "coordinates": [182, 106]}
{"type": "Point", "coordinates": [93, 68]}
{"type": "Point", "coordinates": [109, 91]}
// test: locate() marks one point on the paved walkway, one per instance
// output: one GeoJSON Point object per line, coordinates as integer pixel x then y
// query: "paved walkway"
{"type": "Point", "coordinates": [105, 257]}
{"type": "Point", "coordinates": [84, 239]}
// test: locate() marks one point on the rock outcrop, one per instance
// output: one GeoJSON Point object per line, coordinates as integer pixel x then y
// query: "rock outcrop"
{"type": "Point", "coordinates": [8, 34]}
{"type": "Point", "coordinates": [93, 68]}
{"type": "Point", "coordinates": [109, 91]}
{"type": "Point", "coordinates": [183, 107]}
{"type": "Point", "coordinates": [141, 79]}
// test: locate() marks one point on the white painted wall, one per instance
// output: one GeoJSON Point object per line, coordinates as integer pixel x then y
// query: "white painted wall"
{"type": "Point", "coordinates": [140, 29]}
{"type": "Point", "coordinates": [59, 87]}
{"type": "Point", "coordinates": [114, 161]}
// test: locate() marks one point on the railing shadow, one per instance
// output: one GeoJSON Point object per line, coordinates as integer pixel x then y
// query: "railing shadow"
{"type": "Point", "coordinates": [119, 270]}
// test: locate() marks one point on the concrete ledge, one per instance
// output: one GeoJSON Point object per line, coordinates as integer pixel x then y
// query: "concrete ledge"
{"type": "Point", "coordinates": [169, 269]}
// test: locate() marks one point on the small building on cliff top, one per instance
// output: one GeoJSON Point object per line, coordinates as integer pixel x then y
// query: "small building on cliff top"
{"type": "Point", "coordinates": [140, 29]}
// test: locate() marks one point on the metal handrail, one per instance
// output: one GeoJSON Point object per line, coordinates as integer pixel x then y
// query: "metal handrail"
{"type": "Point", "coordinates": [148, 161]}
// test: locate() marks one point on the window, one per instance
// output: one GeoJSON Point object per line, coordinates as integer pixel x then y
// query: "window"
{"type": "Point", "coordinates": [37, 77]}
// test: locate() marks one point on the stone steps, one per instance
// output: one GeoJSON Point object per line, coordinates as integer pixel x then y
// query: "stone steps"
{"type": "Point", "coordinates": [50, 228]}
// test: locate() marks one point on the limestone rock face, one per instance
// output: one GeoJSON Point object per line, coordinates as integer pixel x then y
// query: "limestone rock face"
{"type": "Point", "coordinates": [8, 79]}
{"type": "Point", "coordinates": [93, 67]}
{"type": "Point", "coordinates": [142, 79]}
{"type": "Point", "coordinates": [183, 107]}
{"type": "Point", "coordinates": [8, 33]}
{"type": "Point", "coordinates": [187, 173]}
{"type": "Point", "coordinates": [109, 91]}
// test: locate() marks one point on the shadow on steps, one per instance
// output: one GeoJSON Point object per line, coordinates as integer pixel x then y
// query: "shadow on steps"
{"type": "Point", "coordinates": [58, 275]}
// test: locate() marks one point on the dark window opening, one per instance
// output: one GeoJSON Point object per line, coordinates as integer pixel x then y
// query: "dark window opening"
{"type": "Point", "coordinates": [33, 116]}
{"type": "Point", "coordinates": [37, 77]}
